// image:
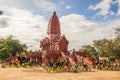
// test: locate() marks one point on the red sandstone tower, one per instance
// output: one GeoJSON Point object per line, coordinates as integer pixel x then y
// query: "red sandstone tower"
{"type": "Point", "coordinates": [54, 45]}
{"type": "Point", "coordinates": [54, 41]}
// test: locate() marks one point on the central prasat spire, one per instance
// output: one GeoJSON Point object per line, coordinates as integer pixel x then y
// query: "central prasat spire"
{"type": "Point", "coordinates": [54, 25]}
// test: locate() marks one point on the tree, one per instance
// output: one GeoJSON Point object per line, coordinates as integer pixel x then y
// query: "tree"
{"type": "Point", "coordinates": [4, 53]}
{"type": "Point", "coordinates": [11, 46]}
{"type": "Point", "coordinates": [117, 31]}
{"type": "Point", "coordinates": [90, 51]}
{"type": "Point", "coordinates": [105, 47]}
{"type": "Point", "coordinates": [116, 43]}
{"type": "Point", "coordinates": [102, 47]}
{"type": "Point", "coordinates": [116, 48]}
{"type": "Point", "coordinates": [14, 46]}
{"type": "Point", "coordinates": [108, 48]}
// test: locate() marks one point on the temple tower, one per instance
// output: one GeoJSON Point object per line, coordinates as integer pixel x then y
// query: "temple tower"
{"type": "Point", "coordinates": [54, 27]}
{"type": "Point", "coordinates": [55, 41]}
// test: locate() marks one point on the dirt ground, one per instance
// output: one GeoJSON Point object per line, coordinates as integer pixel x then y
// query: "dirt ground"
{"type": "Point", "coordinates": [39, 74]}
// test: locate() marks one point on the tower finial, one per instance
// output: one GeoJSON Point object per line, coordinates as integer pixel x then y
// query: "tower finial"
{"type": "Point", "coordinates": [54, 12]}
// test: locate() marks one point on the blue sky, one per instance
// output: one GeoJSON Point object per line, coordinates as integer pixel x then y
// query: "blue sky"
{"type": "Point", "coordinates": [82, 21]}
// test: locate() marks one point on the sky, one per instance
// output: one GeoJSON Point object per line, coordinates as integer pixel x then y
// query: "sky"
{"type": "Point", "coordinates": [82, 21]}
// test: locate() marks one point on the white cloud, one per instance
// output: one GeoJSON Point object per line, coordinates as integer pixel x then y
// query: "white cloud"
{"type": "Point", "coordinates": [115, 23]}
{"type": "Point", "coordinates": [80, 31]}
{"type": "Point", "coordinates": [77, 29]}
{"type": "Point", "coordinates": [46, 5]}
{"type": "Point", "coordinates": [77, 23]}
{"type": "Point", "coordinates": [3, 21]}
{"type": "Point", "coordinates": [33, 5]}
{"type": "Point", "coordinates": [25, 26]}
{"type": "Point", "coordinates": [118, 12]}
{"type": "Point", "coordinates": [68, 7]}
{"type": "Point", "coordinates": [12, 3]}
{"type": "Point", "coordinates": [103, 7]}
